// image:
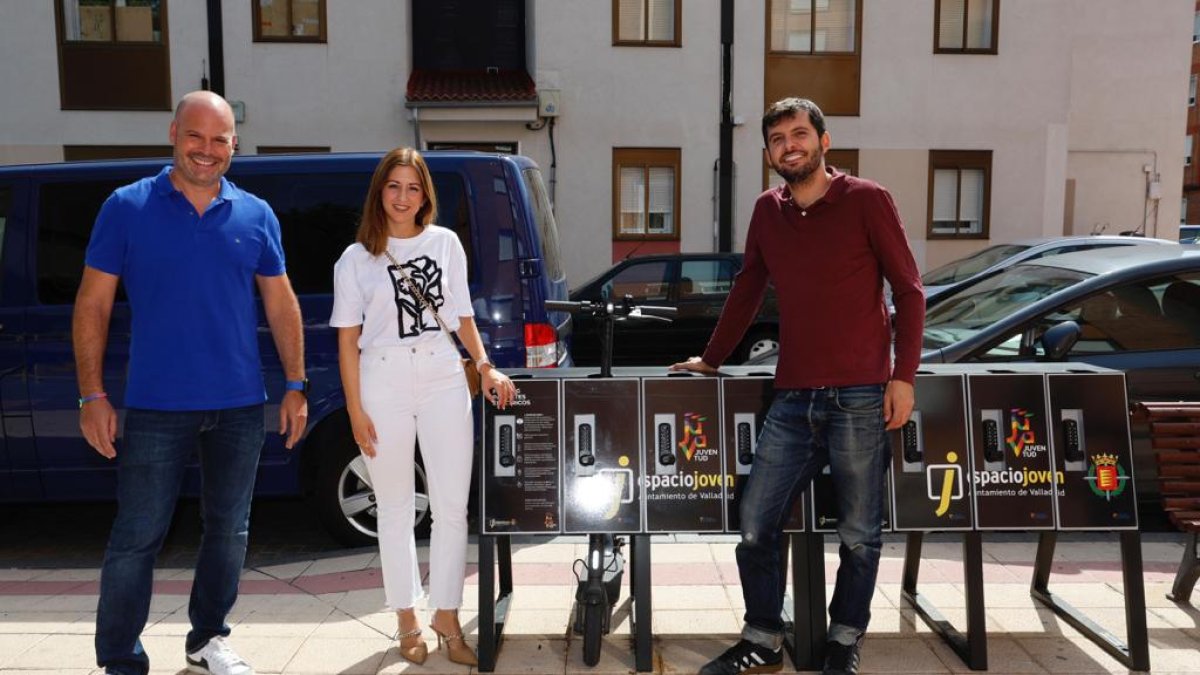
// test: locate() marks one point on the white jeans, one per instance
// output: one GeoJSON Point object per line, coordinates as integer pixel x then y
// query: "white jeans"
{"type": "Point", "coordinates": [413, 393]}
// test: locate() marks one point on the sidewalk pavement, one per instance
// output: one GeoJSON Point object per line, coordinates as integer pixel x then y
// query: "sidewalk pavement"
{"type": "Point", "coordinates": [323, 613]}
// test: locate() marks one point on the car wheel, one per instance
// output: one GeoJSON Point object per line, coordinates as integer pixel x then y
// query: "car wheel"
{"type": "Point", "coordinates": [345, 498]}
{"type": "Point", "coordinates": [759, 343]}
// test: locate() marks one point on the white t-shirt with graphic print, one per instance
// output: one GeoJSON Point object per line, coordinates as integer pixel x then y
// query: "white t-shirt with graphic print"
{"type": "Point", "coordinates": [369, 291]}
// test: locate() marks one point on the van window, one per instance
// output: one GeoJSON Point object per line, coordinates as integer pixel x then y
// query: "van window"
{"type": "Point", "coordinates": [547, 227]}
{"type": "Point", "coordinates": [318, 216]}
{"type": "Point", "coordinates": [5, 206]}
{"type": "Point", "coordinates": [454, 212]}
{"type": "Point", "coordinates": [66, 213]}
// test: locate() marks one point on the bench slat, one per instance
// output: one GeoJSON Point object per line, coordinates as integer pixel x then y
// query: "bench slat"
{"type": "Point", "coordinates": [1166, 471]}
{"type": "Point", "coordinates": [1174, 443]}
{"type": "Point", "coordinates": [1176, 428]}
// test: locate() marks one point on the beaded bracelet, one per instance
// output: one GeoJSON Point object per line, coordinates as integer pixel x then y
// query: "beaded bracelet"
{"type": "Point", "coordinates": [91, 397]}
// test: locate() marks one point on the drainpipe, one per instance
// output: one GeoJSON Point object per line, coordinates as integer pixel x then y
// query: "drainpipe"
{"type": "Point", "coordinates": [216, 48]}
{"type": "Point", "coordinates": [416, 120]}
{"type": "Point", "coordinates": [725, 162]}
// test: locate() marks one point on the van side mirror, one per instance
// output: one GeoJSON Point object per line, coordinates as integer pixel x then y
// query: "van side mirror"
{"type": "Point", "coordinates": [1058, 340]}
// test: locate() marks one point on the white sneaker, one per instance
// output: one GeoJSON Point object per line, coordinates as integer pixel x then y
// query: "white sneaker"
{"type": "Point", "coordinates": [218, 658]}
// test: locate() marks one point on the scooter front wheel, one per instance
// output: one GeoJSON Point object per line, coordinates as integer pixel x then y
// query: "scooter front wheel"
{"type": "Point", "coordinates": [593, 629]}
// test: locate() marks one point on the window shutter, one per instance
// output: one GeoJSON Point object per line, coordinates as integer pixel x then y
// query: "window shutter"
{"type": "Point", "coordinates": [950, 23]}
{"type": "Point", "coordinates": [979, 24]}
{"type": "Point", "coordinates": [633, 200]}
{"type": "Point", "coordinates": [970, 205]}
{"type": "Point", "coordinates": [662, 200]}
{"type": "Point", "coordinates": [629, 14]}
{"type": "Point", "coordinates": [661, 25]}
{"type": "Point", "coordinates": [835, 20]}
{"type": "Point", "coordinates": [945, 197]}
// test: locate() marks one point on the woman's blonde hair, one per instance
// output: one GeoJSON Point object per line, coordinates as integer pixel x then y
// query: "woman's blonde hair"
{"type": "Point", "coordinates": [373, 228]}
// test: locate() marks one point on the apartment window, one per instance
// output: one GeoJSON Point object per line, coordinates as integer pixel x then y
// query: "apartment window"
{"type": "Point", "coordinates": [647, 23]}
{"type": "Point", "coordinates": [113, 54]}
{"type": "Point", "coordinates": [959, 193]}
{"type": "Point", "coordinates": [289, 20]}
{"type": "Point", "coordinates": [966, 26]}
{"type": "Point", "coordinates": [1188, 149]}
{"type": "Point", "coordinates": [813, 26]}
{"type": "Point", "coordinates": [1196, 28]}
{"type": "Point", "coordinates": [1192, 91]}
{"type": "Point", "coordinates": [111, 21]}
{"type": "Point", "coordinates": [646, 193]}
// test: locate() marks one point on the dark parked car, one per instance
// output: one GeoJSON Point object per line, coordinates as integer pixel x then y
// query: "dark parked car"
{"type": "Point", "coordinates": [1135, 309]}
{"type": "Point", "coordinates": [696, 284]}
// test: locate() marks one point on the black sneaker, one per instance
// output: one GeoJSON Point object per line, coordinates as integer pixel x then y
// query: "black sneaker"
{"type": "Point", "coordinates": [841, 659]}
{"type": "Point", "coordinates": [745, 657]}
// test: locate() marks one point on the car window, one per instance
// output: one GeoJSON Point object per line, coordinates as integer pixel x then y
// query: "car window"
{"type": "Point", "coordinates": [973, 309]}
{"type": "Point", "coordinates": [318, 216]}
{"type": "Point", "coordinates": [643, 281]}
{"type": "Point", "coordinates": [700, 279]}
{"type": "Point", "coordinates": [1158, 314]}
{"type": "Point", "coordinates": [543, 212]}
{"type": "Point", "coordinates": [965, 268]}
{"type": "Point", "coordinates": [66, 213]}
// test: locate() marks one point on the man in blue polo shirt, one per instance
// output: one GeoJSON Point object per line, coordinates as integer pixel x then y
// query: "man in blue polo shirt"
{"type": "Point", "coordinates": [190, 248]}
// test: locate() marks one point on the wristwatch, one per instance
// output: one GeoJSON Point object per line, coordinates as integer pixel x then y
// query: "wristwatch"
{"type": "Point", "coordinates": [480, 363]}
{"type": "Point", "coordinates": [297, 385]}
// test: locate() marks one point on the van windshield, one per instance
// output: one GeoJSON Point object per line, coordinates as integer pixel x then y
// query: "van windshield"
{"type": "Point", "coordinates": [547, 227]}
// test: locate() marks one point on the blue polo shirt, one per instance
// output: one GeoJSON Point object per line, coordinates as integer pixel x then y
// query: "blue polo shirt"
{"type": "Point", "coordinates": [190, 283]}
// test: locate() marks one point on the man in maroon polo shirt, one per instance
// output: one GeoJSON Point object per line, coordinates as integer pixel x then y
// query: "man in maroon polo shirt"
{"type": "Point", "coordinates": [826, 241]}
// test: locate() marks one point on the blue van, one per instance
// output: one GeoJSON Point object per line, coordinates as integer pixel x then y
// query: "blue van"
{"type": "Point", "coordinates": [497, 204]}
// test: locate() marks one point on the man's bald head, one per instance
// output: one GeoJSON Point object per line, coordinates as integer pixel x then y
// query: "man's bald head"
{"type": "Point", "coordinates": [206, 99]}
{"type": "Point", "coordinates": [204, 138]}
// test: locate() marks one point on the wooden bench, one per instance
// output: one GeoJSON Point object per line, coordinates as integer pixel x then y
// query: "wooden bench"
{"type": "Point", "coordinates": [1175, 439]}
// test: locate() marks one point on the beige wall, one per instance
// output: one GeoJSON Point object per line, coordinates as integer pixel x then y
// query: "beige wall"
{"type": "Point", "coordinates": [1070, 77]}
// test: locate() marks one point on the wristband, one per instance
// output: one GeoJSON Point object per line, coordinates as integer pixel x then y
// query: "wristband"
{"type": "Point", "coordinates": [297, 385]}
{"type": "Point", "coordinates": [91, 397]}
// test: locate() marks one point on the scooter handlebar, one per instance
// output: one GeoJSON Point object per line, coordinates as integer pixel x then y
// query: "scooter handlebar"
{"type": "Point", "coordinates": [618, 308]}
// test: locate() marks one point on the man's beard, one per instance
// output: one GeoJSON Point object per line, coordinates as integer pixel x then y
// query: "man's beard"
{"type": "Point", "coordinates": [802, 173]}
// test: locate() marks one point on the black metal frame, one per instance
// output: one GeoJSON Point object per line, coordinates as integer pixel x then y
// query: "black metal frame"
{"type": "Point", "coordinates": [805, 630]}
{"type": "Point", "coordinates": [493, 613]}
{"type": "Point", "coordinates": [1134, 653]}
{"type": "Point", "coordinates": [495, 552]}
{"type": "Point", "coordinates": [971, 647]}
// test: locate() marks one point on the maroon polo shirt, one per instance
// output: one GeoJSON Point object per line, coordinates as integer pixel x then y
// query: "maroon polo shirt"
{"type": "Point", "coordinates": [827, 263]}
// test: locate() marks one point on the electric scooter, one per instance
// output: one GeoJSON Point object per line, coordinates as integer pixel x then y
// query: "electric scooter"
{"type": "Point", "coordinates": [600, 581]}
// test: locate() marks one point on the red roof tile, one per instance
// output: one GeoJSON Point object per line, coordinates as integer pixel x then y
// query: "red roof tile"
{"type": "Point", "coordinates": [442, 86]}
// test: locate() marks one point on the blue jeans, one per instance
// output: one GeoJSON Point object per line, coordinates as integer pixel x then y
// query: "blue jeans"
{"type": "Point", "coordinates": [806, 429]}
{"type": "Point", "coordinates": [150, 467]}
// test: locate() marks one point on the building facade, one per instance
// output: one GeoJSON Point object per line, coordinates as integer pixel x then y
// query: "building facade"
{"type": "Point", "coordinates": [989, 120]}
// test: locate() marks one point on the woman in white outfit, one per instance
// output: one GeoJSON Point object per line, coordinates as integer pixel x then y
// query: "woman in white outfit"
{"type": "Point", "coordinates": [404, 381]}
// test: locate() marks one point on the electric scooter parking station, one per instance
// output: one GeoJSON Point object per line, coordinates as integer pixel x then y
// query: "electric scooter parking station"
{"type": "Point", "coordinates": [1042, 448]}
{"type": "Point", "coordinates": [1018, 447]}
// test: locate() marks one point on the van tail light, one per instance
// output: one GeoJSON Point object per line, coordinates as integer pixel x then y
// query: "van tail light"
{"type": "Point", "coordinates": [541, 345]}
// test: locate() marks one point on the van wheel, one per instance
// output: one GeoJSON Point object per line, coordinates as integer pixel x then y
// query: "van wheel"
{"type": "Point", "coordinates": [345, 498]}
{"type": "Point", "coordinates": [760, 342]}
